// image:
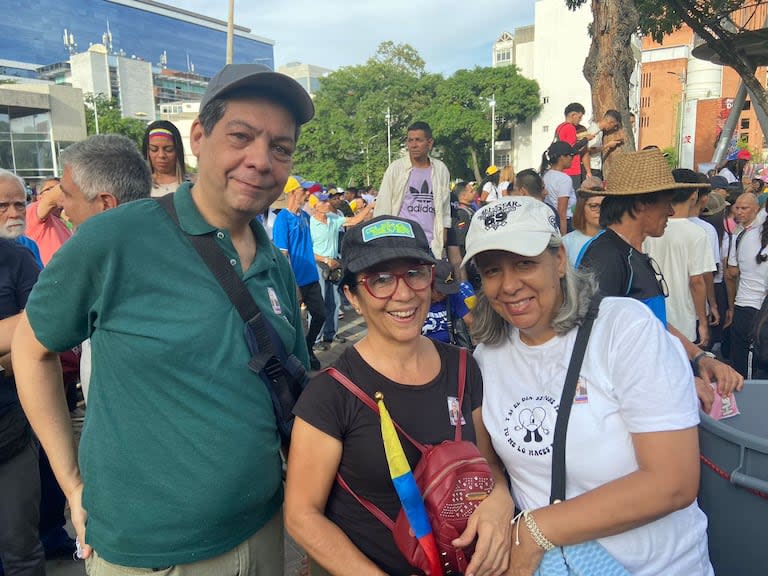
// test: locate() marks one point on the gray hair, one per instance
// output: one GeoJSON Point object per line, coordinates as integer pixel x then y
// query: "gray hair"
{"type": "Point", "coordinates": [8, 175]}
{"type": "Point", "coordinates": [578, 288]}
{"type": "Point", "coordinates": [108, 163]}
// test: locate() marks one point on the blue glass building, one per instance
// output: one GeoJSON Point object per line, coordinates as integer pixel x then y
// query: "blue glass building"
{"type": "Point", "coordinates": [32, 33]}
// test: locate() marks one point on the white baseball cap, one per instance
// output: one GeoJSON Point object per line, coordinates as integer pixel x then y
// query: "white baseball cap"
{"type": "Point", "coordinates": [518, 224]}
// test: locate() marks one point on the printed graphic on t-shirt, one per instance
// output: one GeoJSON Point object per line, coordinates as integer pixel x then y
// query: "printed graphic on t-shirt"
{"type": "Point", "coordinates": [453, 411]}
{"type": "Point", "coordinates": [421, 199]}
{"type": "Point", "coordinates": [530, 423]}
{"type": "Point", "coordinates": [581, 396]}
{"type": "Point", "coordinates": [274, 301]}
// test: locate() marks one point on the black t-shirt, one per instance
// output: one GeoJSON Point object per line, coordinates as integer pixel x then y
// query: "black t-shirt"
{"type": "Point", "coordinates": [18, 274]}
{"type": "Point", "coordinates": [461, 216]}
{"type": "Point", "coordinates": [422, 411]}
{"type": "Point", "coordinates": [621, 270]}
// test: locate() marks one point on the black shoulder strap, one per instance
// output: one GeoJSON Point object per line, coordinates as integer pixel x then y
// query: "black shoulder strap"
{"type": "Point", "coordinates": [231, 283]}
{"type": "Point", "coordinates": [449, 321]}
{"type": "Point", "coordinates": [557, 491]}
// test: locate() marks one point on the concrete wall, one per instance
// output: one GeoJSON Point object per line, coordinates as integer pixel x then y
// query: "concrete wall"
{"type": "Point", "coordinates": [90, 72]}
{"type": "Point", "coordinates": [137, 98]}
{"type": "Point", "coordinates": [560, 48]}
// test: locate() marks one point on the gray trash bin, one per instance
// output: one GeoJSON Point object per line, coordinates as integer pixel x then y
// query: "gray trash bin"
{"type": "Point", "coordinates": [734, 470]}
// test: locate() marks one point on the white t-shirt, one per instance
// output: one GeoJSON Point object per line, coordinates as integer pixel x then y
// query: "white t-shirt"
{"type": "Point", "coordinates": [559, 185]}
{"type": "Point", "coordinates": [493, 192]}
{"type": "Point", "coordinates": [635, 379]}
{"type": "Point", "coordinates": [504, 187]}
{"type": "Point", "coordinates": [728, 175]}
{"type": "Point", "coordinates": [753, 277]}
{"type": "Point", "coordinates": [596, 158]}
{"type": "Point", "coordinates": [683, 251]}
{"type": "Point", "coordinates": [714, 244]}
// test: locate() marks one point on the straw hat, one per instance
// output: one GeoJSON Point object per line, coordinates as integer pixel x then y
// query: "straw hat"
{"type": "Point", "coordinates": [643, 172]}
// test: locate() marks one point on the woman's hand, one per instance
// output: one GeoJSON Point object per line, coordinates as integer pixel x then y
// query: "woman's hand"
{"type": "Point", "coordinates": [728, 380]}
{"type": "Point", "coordinates": [491, 524]}
{"type": "Point", "coordinates": [525, 557]}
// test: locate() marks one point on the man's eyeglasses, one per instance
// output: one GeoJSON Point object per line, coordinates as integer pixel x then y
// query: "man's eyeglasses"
{"type": "Point", "coordinates": [383, 285]}
{"type": "Point", "coordinates": [659, 276]}
{"type": "Point", "coordinates": [18, 206]}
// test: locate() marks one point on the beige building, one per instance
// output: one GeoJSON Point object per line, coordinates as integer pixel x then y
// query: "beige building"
{"type": "Point", "coordinates": [36, 122]}
{"type": "Point", "coordinates": [308, 75]}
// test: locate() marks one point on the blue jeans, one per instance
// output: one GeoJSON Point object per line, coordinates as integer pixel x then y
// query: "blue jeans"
{"type": "Point", "coordinates": [332, 307]}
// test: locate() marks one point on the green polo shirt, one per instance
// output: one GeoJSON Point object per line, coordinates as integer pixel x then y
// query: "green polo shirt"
{"type": "Point", "coordinates": [179, 453]}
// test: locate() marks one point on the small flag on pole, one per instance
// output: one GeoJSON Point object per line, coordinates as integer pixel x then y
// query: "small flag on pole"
{"type": "Point", "coordinates": [407, 489]}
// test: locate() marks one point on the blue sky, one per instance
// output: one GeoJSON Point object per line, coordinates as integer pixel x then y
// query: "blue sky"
{"type": "Point", "coordinates": [333, 33]}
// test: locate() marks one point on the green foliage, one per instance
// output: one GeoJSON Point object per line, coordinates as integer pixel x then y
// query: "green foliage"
{"type": "Point", "coordinates": [460, 115]}
{"type": "Point", "coordinates": [671, 157]}
{"type": "Point", "coordinates": [346, 142]}
{"type": "Point", "coordinates": [661, 17]}
{"type": "Point", "coordinates": [110, 119]}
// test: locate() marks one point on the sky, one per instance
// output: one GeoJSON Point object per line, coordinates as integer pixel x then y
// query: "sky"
{"type": "Point", "coordinates": [333, 33]}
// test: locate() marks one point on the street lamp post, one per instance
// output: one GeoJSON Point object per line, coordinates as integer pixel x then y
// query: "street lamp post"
{"type": "Point", "coordinates": [492, 102]}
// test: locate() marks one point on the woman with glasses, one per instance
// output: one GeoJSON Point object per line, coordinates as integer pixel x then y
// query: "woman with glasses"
{"type": "Point", "coordinates": [388, 275]}
{"type": "Point", "coordinates": [586, 219]}
{"type": "Point", "coordinates": [631, 458]}
{"type": "Point", "coordinates": [560, 193]}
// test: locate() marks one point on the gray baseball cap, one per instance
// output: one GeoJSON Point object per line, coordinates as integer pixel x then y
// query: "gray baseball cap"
{"type": "Point", "coordinates": [262, 80]}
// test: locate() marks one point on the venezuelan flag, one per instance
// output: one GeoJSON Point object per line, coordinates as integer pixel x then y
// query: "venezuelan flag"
{"type": "Point", "coordinates": [407, 489]}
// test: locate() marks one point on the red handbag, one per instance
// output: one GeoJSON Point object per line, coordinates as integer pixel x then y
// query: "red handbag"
{"type": "Point", "coordinates": [454, 479]}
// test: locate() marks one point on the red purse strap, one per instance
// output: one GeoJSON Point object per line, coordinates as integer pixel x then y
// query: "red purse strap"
{"type": "Point", "coordinates": [368, 505]}
{"type": "Point", "coordinates": [368, 401]}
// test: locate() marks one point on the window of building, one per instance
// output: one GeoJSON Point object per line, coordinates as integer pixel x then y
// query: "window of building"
{"type": "Point", "coordinates": [502, 160]}
{"type": "Point", "coordinates": [645, 121]}
{"type": "Point", "coordinates": [545, 99]}
{"type": "Point", "coordinates": [545, 128]}
{"type": "Point", "coordinates": [503, 56]}
{"type": "Point", "coordinates": [745, 123]}
{"type": "Point", "coordinates": [747, 105]}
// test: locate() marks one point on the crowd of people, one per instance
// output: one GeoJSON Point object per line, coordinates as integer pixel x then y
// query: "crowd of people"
{"type": "Point", "coordinates": [661, 274]}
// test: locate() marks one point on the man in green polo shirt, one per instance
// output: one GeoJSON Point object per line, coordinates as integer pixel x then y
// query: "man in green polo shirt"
{"type": "Point", "coordinates": [178, 464]}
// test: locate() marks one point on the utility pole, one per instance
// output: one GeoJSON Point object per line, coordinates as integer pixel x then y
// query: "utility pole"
{"type": "Point", "coordinates": [230, 31]}
{"type": "Point", "coordinates": [493, 128]}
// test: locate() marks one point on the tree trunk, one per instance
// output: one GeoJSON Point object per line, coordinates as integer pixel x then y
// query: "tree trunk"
{"type": "Point", "coordinates": [475, 167]}
{"type": "Point", "coordinates": [610, 62]}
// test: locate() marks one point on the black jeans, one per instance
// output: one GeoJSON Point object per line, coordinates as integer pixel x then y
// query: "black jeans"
{"type": "Point", "coordinates": [313, 300]}
{"type": "Point", "coordinates": [20, 547]}
{"type": "Point", "coordinates": [742, 333]}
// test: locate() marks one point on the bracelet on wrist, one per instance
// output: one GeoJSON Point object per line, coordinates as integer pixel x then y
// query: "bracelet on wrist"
{"type": "Point", "coordinates": [533, 529]}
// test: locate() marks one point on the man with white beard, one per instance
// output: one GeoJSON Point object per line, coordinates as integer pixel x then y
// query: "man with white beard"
{"type": "Point", "coordinates": [13, 212]}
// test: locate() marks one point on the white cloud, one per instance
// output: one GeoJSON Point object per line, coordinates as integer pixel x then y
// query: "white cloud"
{"type": "Point", "coordinates": [334, 33]}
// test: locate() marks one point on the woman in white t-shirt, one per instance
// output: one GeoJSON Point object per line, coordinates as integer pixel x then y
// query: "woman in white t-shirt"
{"type": "Point", "coordinates": [490, 190]}
{"type": "Point", "coordinates": [506, 181]}
{"type": "Point", "coordinates": [560, 193]}
{"type": "Point", "coordinates": [632, 458]}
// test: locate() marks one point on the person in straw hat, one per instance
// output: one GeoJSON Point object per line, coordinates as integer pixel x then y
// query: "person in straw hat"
{"type": "Point", "coordinates": [685, 257]}
{"type": "Point", "coordinates": [637, 204]}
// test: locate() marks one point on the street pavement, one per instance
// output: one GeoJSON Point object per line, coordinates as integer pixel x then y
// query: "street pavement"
{"type": "Point", "coordinates": [351, 327]}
